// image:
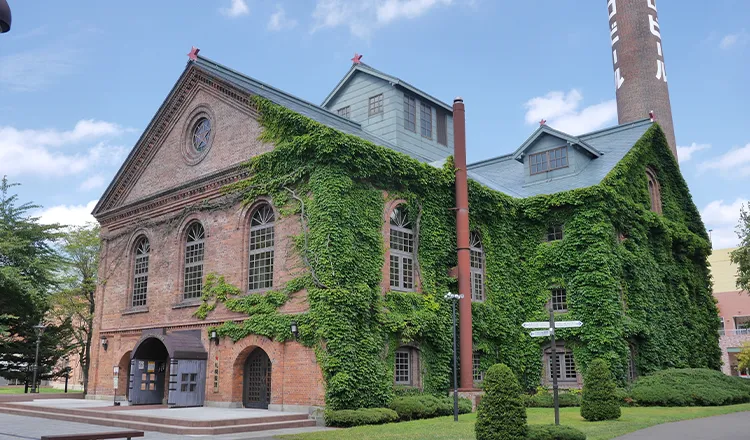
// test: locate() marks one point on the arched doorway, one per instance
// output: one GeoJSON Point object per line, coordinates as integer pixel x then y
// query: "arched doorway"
{"type": "Point", "coordinates": [148, 368]}
{"type": "Point", "coordinates": [123, 388]}
{"type": "Point", "coordinates": [256, 390]}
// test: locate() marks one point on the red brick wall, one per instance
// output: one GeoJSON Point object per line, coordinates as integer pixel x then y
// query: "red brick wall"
{"type": "Point", "coordinates": [296, 377]}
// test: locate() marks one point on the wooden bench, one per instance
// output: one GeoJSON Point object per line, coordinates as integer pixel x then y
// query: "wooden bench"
{"type": "Point", "coordinates": [95, 435]}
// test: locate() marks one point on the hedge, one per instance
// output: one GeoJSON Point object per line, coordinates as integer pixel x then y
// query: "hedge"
{"type": "Point", "coordinates": [544, 399]}
{"type": "Point", "coordinates": [554, 432]}
{"type": "Point", "coordinates": [427, 406]}
{"type": "Point", "coordinates": [690, 387]}
{"type": "Point", "coordinates": [366, 416]}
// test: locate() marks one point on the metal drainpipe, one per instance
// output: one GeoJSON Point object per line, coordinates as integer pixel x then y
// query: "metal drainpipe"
{"type": "Point", "coordinates": [462, 236]}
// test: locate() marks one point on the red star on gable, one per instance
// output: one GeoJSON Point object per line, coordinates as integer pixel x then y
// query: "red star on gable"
{"type": "Point", "coordinates": [543, 122]}
{"type": "Point", "coordinates": [193, 55]}
{"type": "Point", "coordinates": [357, 58]}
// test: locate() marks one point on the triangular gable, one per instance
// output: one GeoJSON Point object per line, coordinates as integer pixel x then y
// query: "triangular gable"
{"type": "Point", "coordinates": [364, 68]}
{"type": "Point", "coordinates": [545, 129]}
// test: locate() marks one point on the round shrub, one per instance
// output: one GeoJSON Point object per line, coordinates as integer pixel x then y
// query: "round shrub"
{"type": "Point", "coordinates": [690, 387]}
{"type": "Point", "coordinates": [464, 405]}
{"type": "Point", "coordinates": [408, 408]}
{"type": "Point", "coordinates": [365, 416]}
{"type": "Point", "coordinates": [554, 432]}
{"type": "Point", "coordinates": [501, 414]}
{"type": "Point", "coordinates": [599, 400]}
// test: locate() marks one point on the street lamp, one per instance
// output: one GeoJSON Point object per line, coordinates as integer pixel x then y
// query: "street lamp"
{"type": "Point", "coordinates": [453, 298]}
{"type": "Point", "coordinates": [4, 16]}
{"type": "Point", "coordinates": [39, 329]}
{"type": "Point", "coordinates": [295, 329]}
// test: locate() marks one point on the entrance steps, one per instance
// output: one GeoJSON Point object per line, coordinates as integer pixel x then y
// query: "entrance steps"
{"type": "Point", "coordinates": [168, 425]}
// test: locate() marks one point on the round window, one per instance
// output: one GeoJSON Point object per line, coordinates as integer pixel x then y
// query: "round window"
{"type": "Point", "coordinates": [201, 134]}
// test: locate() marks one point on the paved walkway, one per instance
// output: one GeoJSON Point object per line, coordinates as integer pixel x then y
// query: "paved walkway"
{"type": "Point", "coordinates": [14, 427]}
{"type": "Point", "coordinates": [725, 427]}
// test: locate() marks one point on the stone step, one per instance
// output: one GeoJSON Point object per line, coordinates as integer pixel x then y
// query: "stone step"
{"type": "Point", "coordinates": [157, 427]}
{"type": "Point", "coordinates": [117, 415]}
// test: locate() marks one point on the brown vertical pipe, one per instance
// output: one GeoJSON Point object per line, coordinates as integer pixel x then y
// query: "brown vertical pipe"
{"type": "Point", "coordinates": [462, 236]}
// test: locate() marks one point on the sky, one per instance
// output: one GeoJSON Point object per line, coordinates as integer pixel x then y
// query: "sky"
{"type": "Point", "coordinates": [80, 81]}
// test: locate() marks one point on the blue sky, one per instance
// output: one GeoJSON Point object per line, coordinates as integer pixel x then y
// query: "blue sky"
{"type": "Point", "coordinates": [80, 80]}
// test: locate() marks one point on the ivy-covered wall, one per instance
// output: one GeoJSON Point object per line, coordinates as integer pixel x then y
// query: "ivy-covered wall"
{"type": "Point", "coordinates": [635, 278]}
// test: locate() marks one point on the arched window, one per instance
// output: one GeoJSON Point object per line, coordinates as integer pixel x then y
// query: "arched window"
{"type": "Point", "coordinates": [140, 272]}
{"type": "Point", "coordinates": [476, 254]}
{"type": "Point", "coordinates": [406, 368]}
{"type": "Point", "coordinates": [654, 191]}
{"type": "Point", "coordinates": [260, 269]}
{"type": "Point", "coordinates": [194, 248]}
{"type": "Point", "coordinates": [402, 251]}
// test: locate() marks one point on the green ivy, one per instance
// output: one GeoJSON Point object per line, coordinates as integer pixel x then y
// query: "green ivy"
{"type": "Point", "coordinates": [650, 291]}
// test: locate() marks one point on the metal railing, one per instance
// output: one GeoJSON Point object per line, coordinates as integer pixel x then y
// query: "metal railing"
{"type": "Point", "coordinates": [733, 332]}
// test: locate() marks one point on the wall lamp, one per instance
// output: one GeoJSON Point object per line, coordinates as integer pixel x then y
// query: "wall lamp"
{"type": "Point", "coordinates": [214, 337]}
{"type": "Point", "coordinates": [295, 330]}
{"type": "Point", "coordinates": [105, 343]}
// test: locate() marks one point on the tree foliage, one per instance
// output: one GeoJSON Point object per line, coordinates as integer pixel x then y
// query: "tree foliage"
{"type": "Point", "coordinates": [80, 247]}
{"type": "Point", "coordinates": [741, 255]}
{"type": "Point", "coordinates": [28, 272]}
{"type": "Point", "coordinates": [599, 397]}
{"type": "Point", "coordinates": [501, 414]}
{"type": "Point", "coordinates": [743, 357]}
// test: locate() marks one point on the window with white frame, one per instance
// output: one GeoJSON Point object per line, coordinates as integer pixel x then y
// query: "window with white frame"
{"type": "Point", "coordinates": [375, 106]}
{"type": "Point", "coordinates": [425, 120]}
{"type": "Point", "coordinates": [260, 268]}
{"type": "Point", "coordinates": [403, 366]}
{"type": "Point", "coordinates": [140, 272]}
{"type": "Point", "coordinates": [193, 273]}
{"type": "Point", "coordinates": [559, 300]}
{"type": "Point", "coordinates": [476, 267]}
{"type": "Point", "coordinates": [410, 113]}
{"type": "Point", "coordinates": [401, 250]}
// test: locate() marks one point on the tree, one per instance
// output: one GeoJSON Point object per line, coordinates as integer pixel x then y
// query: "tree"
{"type": "Point", "coordinates": [80, 249]}
{"type": "Point", "coordinates": [741, 255]}
{"type": "Point", "coordinates": [743, 357]}
{"type": "Point", "coordinates": [599, 398]}
{"type": "Point", "coordinates": [28, 272]}
{"type": "Point", "coordinates": [501, 414]}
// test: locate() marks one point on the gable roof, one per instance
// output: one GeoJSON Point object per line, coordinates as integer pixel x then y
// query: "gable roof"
{"type": "Point", "coordinates": [508, 175]}
{"type": "Point", "coordinates": [546, 129]}
{"type": "Point", "coordinates": [362, 67]}
{"type": "Point", "coordinates": [250, 85]}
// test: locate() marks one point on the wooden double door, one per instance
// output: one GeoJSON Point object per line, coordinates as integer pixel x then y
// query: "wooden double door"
{"type": "Point", "coordinates": [147, 381]}
{"type": "Point", "coordinates": [257, 380]}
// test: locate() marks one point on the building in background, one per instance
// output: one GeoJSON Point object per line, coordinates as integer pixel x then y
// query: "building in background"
{"type": "Point", "coordinates": [734, 311]}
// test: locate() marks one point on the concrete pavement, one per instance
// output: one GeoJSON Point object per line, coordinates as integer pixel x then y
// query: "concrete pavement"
{"type": "Point", "coordinates": [725, 427]}
{"type": "Point", "coordinates": [14, 427]}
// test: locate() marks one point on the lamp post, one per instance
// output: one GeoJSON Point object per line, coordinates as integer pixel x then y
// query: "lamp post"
{"type": "Point", "coordinates": [452, 297]}
{"type": "Point", "coordinates": [39, 329]}
{"type": "Point", "coordinates": [5, 17]}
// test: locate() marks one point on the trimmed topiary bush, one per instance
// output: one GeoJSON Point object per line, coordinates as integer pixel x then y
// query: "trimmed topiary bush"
{"type": "Point", "coordinates": [365, 416]}
{"type": "Point", "coordinates": [690, 387]}
{"type": "Point", "coordinates": [408, 408]}
{"type": "Point", "coordinates": [599, 400]}
{"type": "Point", "coordinates": [554, 432]}
{"type": "Point", "coordinates": [501, 414]}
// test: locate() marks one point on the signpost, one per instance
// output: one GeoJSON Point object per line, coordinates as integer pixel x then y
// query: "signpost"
{"type": "Point", "coordinates": [550, 331]}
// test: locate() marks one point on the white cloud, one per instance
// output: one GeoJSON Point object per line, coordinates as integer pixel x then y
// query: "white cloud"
{"type": "Point", "coordinates": [686, 153]}
{"type": "Point", "coordinates": [279, 20]}
{"type": "Point", "coordinates": [734, 163]}
{"type": "Point", "coordinates": [33, 70]}
{"type": "Point", "coordinates": [72, 215]}
{"type": "Point", "coordinates": [722, 219]}
{"type": "Point", "coordinates": [732, 40]}
{"type": "Point", "coordinates": [38, 151]}
{"type": "Point", "coordinates": [236, 9]}
{"type": "Point", "coordinates": [364, 16]}
{"type": "Point", "coordinates": [562, 112]}
{"type": "Point", "coordinates": [93, 182]}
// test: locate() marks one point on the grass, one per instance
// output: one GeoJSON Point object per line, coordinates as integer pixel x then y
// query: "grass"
{"type": "Point", "coordinates": [19, 390]}
{"type": "Point", "coordinates": [632, 419]}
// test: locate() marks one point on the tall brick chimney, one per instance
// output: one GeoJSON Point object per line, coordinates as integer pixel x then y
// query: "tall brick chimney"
{"type": "Point", "coordinates": [638, 59]}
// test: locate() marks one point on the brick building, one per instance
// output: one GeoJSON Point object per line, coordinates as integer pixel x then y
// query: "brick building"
{"type": "Point", "coordinates": [734, 310]}
{"type": "Point", "coordinates": [166, 224]}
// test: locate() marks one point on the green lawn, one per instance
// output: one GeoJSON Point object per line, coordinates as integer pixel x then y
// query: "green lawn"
{"type": "Point", "coordinates": [632, 419]}
{"type": "Point", "coordinates": [19, 390]}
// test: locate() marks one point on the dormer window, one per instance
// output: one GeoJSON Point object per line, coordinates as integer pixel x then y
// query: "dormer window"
{"type": "Point", "coordinates": [375, 106]}
{"type": "Point", "coordinates": [410, 113]}
{"type": "Point", "coordinates": [548, 160]}
{"type": "Point", "coordinates": [344, 112]}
